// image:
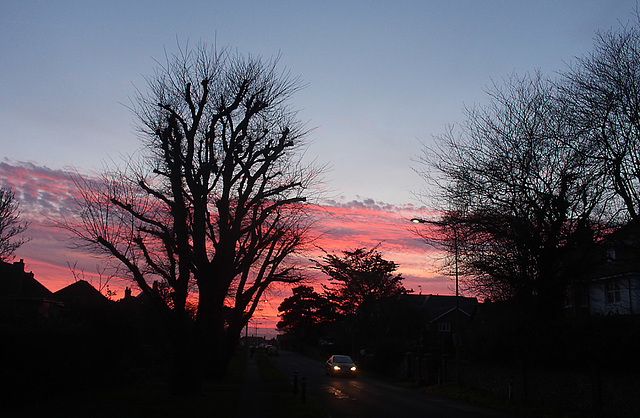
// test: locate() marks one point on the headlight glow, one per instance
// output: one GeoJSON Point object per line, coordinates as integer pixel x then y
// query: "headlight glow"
{"type": "Point", "coordinates": [336, 367]}
{"type": "Point", "coordinates": [353, 369]}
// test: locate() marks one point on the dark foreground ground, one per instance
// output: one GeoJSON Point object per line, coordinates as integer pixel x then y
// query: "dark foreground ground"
{"type": "Point", "coordinates": [262, 386]}
{"type": "Point", "coordinates": [366, 396]}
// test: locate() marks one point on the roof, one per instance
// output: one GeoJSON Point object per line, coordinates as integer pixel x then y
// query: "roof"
{"type": "Point", "coordinates": [616, 255]}
{"type": "Point", "coordinates": [436, 306]}
{"type": "Point", "coordinates": [16, 283]}
{"type": "Point", "coordinates": [81, 293]}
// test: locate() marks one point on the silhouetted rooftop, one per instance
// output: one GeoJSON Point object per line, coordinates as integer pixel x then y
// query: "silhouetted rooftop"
{"type": "Point", "coordinates": [16, 283]}
{"type": "Point", "coordinates": [81, 294]}
{"type": "Point", "coordinates": [435, 306]}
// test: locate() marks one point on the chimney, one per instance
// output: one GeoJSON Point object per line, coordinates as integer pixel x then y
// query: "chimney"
{"type": "Point", "coordinates": [19, 265]}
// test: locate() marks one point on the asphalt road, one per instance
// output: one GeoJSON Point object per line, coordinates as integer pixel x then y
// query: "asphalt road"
{"type": "Point", "coordinates": [345, 397]}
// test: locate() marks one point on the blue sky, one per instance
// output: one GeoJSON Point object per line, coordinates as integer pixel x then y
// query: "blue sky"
{"type": "Point", "coordinates": [382, 75]}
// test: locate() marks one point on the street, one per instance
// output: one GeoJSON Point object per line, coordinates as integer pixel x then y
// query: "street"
{"type": "Point", "coordinates": [368, 397]}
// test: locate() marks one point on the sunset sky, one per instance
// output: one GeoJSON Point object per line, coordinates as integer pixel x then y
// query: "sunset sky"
{"type": "Point", "coordinates": [383, 77]}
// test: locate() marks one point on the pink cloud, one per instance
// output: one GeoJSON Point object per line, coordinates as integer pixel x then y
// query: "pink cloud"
{"type": "Point", "coordinates": [47, 194]}
{"type": "Point", "coordinates": [367, 223]}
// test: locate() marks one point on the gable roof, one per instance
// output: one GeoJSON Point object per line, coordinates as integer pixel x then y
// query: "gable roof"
{"type": "Point", "coordinates": [16, 283]}
{"type": "Point", "coordinates": [437, 306]}
{"type": "Point", "coordinates": [82, 294]}
{"type": "Point", "coordinates": [618, 254]}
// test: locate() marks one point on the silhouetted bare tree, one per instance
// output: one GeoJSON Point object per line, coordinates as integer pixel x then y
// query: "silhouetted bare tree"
{"type": "Point", "coordinates": [518, 192]}
{"type": "Point", "coordinates": [218, 200]}
{"type": "Point", "coordinates": [10, 224]}
{"type": "Point", "coordinates": [602, 91]}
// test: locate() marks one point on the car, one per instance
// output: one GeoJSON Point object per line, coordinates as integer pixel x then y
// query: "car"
{"type": "Point", "coordinates": [340, 365]}
{"type": "Point", "coordinates": [272, 350]}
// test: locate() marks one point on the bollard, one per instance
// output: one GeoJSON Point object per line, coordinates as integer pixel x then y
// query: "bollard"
{"type": "Point", "coordinates": [295, 383]}
{"type": "Point", "coordinates": [510, 387]}
{"type": "Point", "coordinates": [304, 390]}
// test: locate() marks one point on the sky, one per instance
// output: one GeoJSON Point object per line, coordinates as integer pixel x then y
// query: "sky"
{"type": "Point", "coordinates": [382, 78]}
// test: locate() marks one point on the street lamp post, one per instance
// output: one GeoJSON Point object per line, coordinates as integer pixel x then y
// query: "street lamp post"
{"type": "Point", "coordinates": [457, 313]}
{"type": "Point", "coordinates": [455, 247]}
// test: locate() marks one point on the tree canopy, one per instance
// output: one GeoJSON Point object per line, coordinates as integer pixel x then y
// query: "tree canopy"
{"type": "Point", "coordinates": [217, 199]}
{"type": "Point", "coordinates": [361, 307]}
{"type": "Point", "coordinates": [602, 92]}
{"type": "Point", "coordinates": [360, 277]}
{"type": "Point", "coordinates": [10, 224]}
{"type": "Point", "coordinates": [532, 179]}
{"type": "Point", "coordinates": [306, 314]}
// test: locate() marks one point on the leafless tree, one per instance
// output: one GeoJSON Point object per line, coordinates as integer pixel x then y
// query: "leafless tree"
{"type": "Point", "coordinates": [217, 203]}
{"type": "Point", "coordinates": [103, 280]}
{"type": "Point", "coordinates": [602, 91]}
{"type": "Point", "coordinates": [513, 194]}
{"type": "Point", "coordinates": [10, 224]}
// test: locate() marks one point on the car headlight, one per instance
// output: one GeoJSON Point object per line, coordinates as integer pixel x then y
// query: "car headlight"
{"type": "Point", "coordinates": [336, 367]}
{"type": "Point", "coordinates": [353, 368]}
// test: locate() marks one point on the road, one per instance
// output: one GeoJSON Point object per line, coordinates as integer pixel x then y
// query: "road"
{"type": "Point", "coordinates": [367, 397]}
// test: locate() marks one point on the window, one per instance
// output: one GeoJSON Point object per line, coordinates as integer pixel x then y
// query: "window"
{"type": "Point", "coordinates": [612, 291]}
{"type": "Point", "coordinates": [444, 326]}
{"type": "Point", "coordinates": [611, 253]}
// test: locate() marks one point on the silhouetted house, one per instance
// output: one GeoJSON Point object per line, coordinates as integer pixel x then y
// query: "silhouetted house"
{"type": "Point", "coordinates": [21, 294]}
{"type": "Point", "coordinates": [610, 285]}
{"type": "Point", "coordinates": [143, 308]}
{"type": "Point", "coordinates": [142, 303]}
{"type": "Point", "coordinates": [440, 311]}
{"type": "Point", "coordinates": [81, 296]}
{"type": "Point", "coordinates": [445, 322]}
{"type": "Point", "coordinates": [444, 319]}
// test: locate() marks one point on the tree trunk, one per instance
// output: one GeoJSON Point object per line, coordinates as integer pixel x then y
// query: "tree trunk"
{"type": "Point", "coordinates": [185, 378]}
{"type": "Point", "coordinates": [224, 352]}
{"type": "Point", "coordinates": [208, 330]}
{"type": "Point", "coordinates": [216, 341]}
